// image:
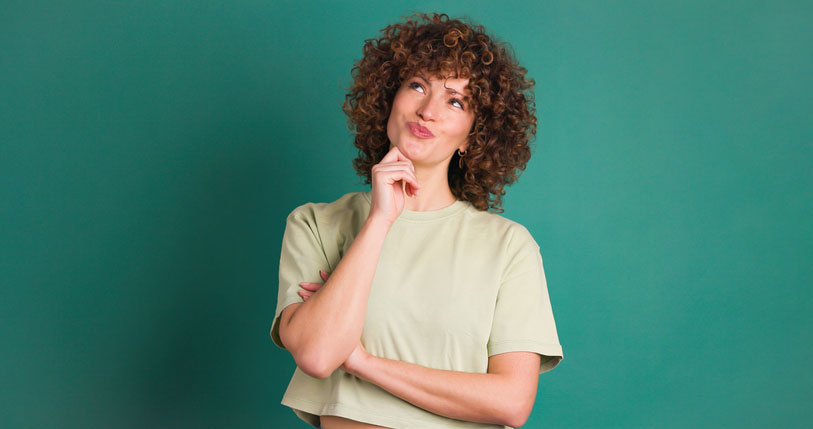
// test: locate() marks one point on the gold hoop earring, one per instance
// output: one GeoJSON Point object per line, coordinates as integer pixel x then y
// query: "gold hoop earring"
{"type": "Point", "coordinates": [460, 157]}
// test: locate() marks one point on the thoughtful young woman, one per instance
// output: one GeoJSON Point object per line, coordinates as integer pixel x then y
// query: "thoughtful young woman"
{"type": "Point", "coordinates": [415, 305]}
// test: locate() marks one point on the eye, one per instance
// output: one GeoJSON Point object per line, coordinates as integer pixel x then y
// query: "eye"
{"type": "Point", "coordinates": [416, 86]}
{"type": "Point", "coordinates": [458, 102]}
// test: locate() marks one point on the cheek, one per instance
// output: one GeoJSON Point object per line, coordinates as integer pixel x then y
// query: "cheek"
{"type": "Point", "coordinates": [389, 129]}
{"type": "Point", "coordinates": [395, 112]}
{"type": "Point", "coordinates": [392, 129]}
{"type": "Point", "coordinates": [463, 127]}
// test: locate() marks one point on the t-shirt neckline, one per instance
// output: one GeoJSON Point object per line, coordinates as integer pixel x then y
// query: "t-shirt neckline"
{"type": "Point", "coordinates": [423, 216]}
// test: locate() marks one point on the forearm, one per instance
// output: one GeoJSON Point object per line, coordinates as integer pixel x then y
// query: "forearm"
{"type": "Point", "coordinates": [324, 330]}
{"type": "Point", "coordinates": [484, 398]}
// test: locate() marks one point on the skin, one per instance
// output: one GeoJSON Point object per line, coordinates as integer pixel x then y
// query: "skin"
{"type": "Point", "coordinates": [323, 333]}
{"type": "Point", "coordinates": [439, 105]}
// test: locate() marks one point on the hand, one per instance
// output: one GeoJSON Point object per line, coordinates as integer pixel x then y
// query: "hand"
{"type": "Point", "coordinates": [310, 288]}
{"type": "Point", "coordinates": [393, 179]}
{"type": "Point", "coordinates": [356, 360]}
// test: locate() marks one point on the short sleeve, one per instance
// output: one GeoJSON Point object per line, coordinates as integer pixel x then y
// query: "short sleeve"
{"type": "Point", "coordinates": [301, 258]}
{"type": "Point", "coordinates": [523, 318]}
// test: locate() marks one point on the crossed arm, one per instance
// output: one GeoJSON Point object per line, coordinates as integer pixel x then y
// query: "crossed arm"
{"type": "Point", "coordinates": [323, 334]}
{"type": "Point", "coordinates": [504, 395]}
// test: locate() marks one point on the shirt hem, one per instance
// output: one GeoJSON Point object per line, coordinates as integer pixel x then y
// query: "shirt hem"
{"type": "Point", "coordinates": [275, 325]}
{"type": "Point", "coordinates": [317, 409]}
{"type": "Point", "coordinates": [551, 352]}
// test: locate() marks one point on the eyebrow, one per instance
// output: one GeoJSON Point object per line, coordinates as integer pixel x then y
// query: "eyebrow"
{"type": "Point", "coordinates": [449, 90]}
{"type": "Point", "coordinates": [452, 90]}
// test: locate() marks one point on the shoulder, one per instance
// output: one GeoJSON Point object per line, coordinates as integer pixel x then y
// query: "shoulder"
{"type": "Point", "coordinates": [511, 235]}
{"type": "Point", "coordinates": [349, 207]}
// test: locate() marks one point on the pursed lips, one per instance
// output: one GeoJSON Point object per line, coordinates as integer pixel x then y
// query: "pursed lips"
{"type": "Point", "coordinates": [419, 130]}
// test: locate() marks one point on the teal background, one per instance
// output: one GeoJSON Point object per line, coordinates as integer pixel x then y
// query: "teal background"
{"type": "Point", "coordinates": [150, 151]}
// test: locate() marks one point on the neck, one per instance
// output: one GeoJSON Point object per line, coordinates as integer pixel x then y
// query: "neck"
{"type": "Point", "coordinates": [434, 194]}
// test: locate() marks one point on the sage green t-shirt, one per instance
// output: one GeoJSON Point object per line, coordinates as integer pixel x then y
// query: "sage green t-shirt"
{"type": "Point", "coordinates": [452, 287]}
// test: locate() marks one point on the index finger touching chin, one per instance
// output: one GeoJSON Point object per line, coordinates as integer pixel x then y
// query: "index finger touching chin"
{"type": "Point", "coordinates": [393, 155]}
{"type": "Point", "coordinates": [400, 155]}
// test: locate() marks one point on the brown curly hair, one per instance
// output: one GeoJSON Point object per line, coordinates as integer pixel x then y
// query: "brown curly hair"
{"type": "Point", "coordinates": [501, 98]}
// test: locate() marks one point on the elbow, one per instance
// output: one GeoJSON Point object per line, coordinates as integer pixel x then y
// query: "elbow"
{"type": "Point", "coordinates": [315, 371]}
{"type": "Point", "coordinates": [516, 421]}
{"type": "Point", "coordinates": [309, 357]}
{"type": "Point", "coordinates": [315, 365]}
{"type": "Point", "coordinates": [517, 415]}
{"type": "Point", "coordinates": [312, 363]}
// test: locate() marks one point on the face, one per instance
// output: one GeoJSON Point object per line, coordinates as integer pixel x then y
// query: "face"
{"type": "Point", "coordinates": [430, 119]}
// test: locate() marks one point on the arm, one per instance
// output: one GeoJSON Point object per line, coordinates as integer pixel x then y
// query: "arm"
{"type": "Point", "coordinates": [322, 332]}
{"type": "Point", "coordinates": [505, 395]}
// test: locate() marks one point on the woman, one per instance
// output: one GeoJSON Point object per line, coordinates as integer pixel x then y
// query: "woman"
{"type": "Point", "coordinates": [435, 313]}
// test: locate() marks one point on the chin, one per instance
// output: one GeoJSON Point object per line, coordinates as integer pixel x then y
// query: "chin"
{"type": "Point", "coordinates": [406, 149]}
{"type": "Point", "coordinates": [413, 148]}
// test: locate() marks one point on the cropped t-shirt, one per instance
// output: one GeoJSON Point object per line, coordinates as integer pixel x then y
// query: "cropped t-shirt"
{"type": "Point", "coordinates": [452, 287]}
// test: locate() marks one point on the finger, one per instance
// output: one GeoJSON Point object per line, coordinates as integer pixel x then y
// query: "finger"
{"type": "Point", "coordinates": [400, 155]}
{"type": "Point", "coordinates": [323, 274]}
{"type": "Point", "coordinates": [395, 154]}
{"type": "Point", "coordinates": [392, 155]}
{"type": "Point", "coordinates": [313, 287]}
{"type": "Point", "coordinates": [383, 165]}
{"type": "Point", "coordinates": [395, 176]}
{"type": "Point", "coordinates": [393, 166]}
{"type": "Point", "coordinates": [392, 174]}
{"type": "Point", "coordinates": [409, 190]}
{"type": "Point", "coordinates": [305, 295]}
{"type": "Point", "coordinates": [412, 191]}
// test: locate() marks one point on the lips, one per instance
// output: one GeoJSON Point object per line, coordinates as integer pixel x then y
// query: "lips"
{"type": "Point", "coordinates": [419, 130]}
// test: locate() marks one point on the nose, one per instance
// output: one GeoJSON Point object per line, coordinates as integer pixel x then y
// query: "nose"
{"type": "Point", "coordinates": [426, 110]}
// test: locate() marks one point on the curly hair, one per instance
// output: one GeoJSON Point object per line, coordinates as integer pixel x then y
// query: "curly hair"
{"type": "Point", "coordinates": [500, 95]}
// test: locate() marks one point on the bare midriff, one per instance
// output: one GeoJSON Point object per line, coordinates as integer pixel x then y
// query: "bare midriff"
{"type": "Point", "coordinates": [336, 422]}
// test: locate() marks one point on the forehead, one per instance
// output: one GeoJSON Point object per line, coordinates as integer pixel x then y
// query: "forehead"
{"type": "Point", "coordinates": [449, 80]}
